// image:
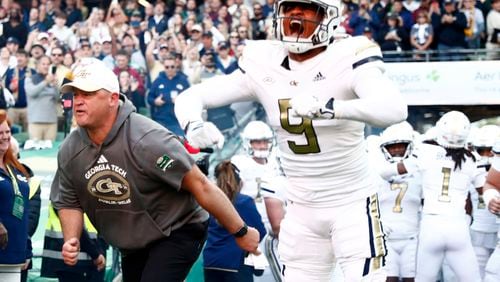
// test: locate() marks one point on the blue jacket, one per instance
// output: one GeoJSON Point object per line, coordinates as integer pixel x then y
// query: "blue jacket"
{"type": "Point", "coordinates": [221, 250]}
{"type": "Point", "coordinates": [21, 101]}
{"type": "Point", "coordinates": [19, 246]}
{"type": "Point", "coordinates": [160, 26]}
{"type": "Point", "coordinates": [168, 88]}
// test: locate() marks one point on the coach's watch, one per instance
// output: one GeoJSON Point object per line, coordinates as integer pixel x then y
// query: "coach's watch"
{"type": "Point", "coordinates": [242, 232]}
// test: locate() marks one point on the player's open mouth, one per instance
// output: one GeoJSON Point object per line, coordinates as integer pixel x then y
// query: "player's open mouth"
{"type": "Point", "coordinates": [296, 27]}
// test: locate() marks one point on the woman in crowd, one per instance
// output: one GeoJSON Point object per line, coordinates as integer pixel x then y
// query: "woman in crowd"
{"type": "Point", "coordinates": [15, 247]}
{"type": "Point", "coordinates": [223, 260]}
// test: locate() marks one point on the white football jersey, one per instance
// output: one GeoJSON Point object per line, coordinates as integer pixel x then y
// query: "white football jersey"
{"type": "Point", "coordinates": [400, 202]}
{"type": "Point", "coordinates": [252, 173]}
{"type": "Point", "coordinates": [484, 220]}
{"type": "Point", "coordinates": [324, 160]}
{"type": "Point", "coordinates": [445, 188]}
{"type": "Point", "coordinates": [274, 187]}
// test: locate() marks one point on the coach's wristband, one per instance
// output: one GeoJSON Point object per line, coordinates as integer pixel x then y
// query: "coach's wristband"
{"type": "Point", "coordinates": [489, 195]}
{"type": "Point", "coordinates": [242, 232]}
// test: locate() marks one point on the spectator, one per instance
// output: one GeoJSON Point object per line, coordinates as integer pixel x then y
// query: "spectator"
{"type": "Point", "coordinates": [43, 103]}
{"type": "Point", "coordinates": [15, 246]}
{"type": "Point", "coordinates": [207, 43]}
{"type": "Point", "coordinates": [474, 31]}
{"type": "Point", "coordinates": [36, 52]}
{"type": "Point", "coordinates": [158, 22]}
{"type": "Point", "coordinates": [449, 27]}
{"type": "Point", "coordinates": [68, 60]}
{"type": "Point", "coordinates": [48, 13]}
{"type": "Point", "coordinates": [163, 93]}
{"type": "Point", "coordinates": [117, 20]}
{"type": "Point", "coordinates": [14, 80]}
{"type": "Point", "coordinates": [363, 17]}
{"type": "Point", "coordinates": [393, 36]}
{"type": "Point", "coordinates": [130, 44]}
{"type": "Point", "coordinates": [243, 33]}
{"type": "Point", "coordinates": [223, 56]}
{"type": "Point", "coordinates": [35, 203]}
{"type": "Point", "coordinates": [15, 27]}
{"type": "Point", "coordinates": [258, 22]}
{"type": "Point", "coordinates": [56, 58]}
{"type": "Point", "coordinates": [73, 11]}
{"type": "Point", "coordinates": [493, 31]}
{"type": "Point", "coordinates": [155, 64]}
{"type": "Point", "coordinates": [63, 33]}
{"type": "Point", "coordinates": [5, 62]}
{"type": "Point", "coordinates": [84, 49]}
{"type": "Point", "coordinates": [128, 87]}
{"type": "Point", "coordinates": [234, 40]}
{"type": "Point", "coordinates": [99, 30]}
{"type": "Point", "coordinates": [195, 36]}
{"type": "Point", "coordinates": [12, 45]}
{"type": "Point", "coordinates": [406, 16]}
{"type": "Point", "coordinates": [422, 34]}
{"type": "Point", "coordinates": [122, 64]}
{"type": "Point", "coordinates": [34, 23]}
{"type": "Point", "coordinates": [209, 68]}
{"type": "Point", "coordinates": [268, 8]}
{"type": "Point", "coordinates": [222, 259]}
{"type": "Point", "coordinates": [191, 66]}
{"type": "Point", "coordinates": [107, 51]}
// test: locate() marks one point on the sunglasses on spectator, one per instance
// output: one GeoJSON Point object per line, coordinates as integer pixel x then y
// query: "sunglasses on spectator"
{"type": "Point", "coordinates": [170, 67]}
{"type": "Point", "coordinates": [57, 54]}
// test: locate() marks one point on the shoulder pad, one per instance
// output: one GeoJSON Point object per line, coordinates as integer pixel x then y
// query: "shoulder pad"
{"type": "Point", "coordinates": [363, 51]}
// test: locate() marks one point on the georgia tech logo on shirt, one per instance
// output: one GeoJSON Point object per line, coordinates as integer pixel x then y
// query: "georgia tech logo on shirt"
{"type": "Point", "coordinates": [108, 184]}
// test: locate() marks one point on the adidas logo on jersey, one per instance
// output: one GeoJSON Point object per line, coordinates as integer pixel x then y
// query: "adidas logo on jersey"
{"type": "Point", "coordinates": [102, 160]}
{"type": "Point", "coordinates": [319, 77]}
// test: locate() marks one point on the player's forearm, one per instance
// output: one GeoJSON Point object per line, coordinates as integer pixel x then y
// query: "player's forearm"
{"type": "Point", "coordinates": [71, 223]}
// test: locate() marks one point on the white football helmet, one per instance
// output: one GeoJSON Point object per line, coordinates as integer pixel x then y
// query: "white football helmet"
{"type": "Point", "coordinates": [257, 130]}
{"type": "Point", "coordinates": [452, 130]}
{"type": "Point", "coordinates": [400, 133]}
{"type": "Point", "coordinates": [322, 35]}
{"type": "Point", "coordinates": [485, 138]}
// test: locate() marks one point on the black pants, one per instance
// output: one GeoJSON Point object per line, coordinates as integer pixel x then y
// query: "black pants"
{"type": "Point", "coordinates": [168, 259]}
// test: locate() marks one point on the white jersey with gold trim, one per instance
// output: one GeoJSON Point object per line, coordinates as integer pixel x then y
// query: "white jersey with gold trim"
{"type": "Point", "coordinates": [400, 203]}
{"type": "Point", "coordinates": [484, 220]}
{"type": "Point", "coordinates": [324, 160]}
{"type": "Point", "coordinates": [445, 188]}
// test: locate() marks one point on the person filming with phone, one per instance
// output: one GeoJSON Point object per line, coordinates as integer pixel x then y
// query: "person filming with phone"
{"type": "Point", "coordinates": [43, 102]}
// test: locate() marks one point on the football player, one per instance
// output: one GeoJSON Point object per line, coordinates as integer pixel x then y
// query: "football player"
{"type": "Point", "coordinates": [491, 196]}
{"type": "Point", "coordinates": [318, 94]}
{"type": "Point", "coordinates": [484, 226]}
{"type": "Point", "coordinates": [400, 199]}
{"type": "Point", "coordinates": [447, 172]}
{"type": "Point", "coordinates": [255, 165]}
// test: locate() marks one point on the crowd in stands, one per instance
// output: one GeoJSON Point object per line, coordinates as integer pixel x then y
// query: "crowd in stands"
{"type": "Point", "coordinates": [161, 48]}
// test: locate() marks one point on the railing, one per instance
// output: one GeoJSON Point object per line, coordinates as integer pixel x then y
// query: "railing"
{"type": "Point", "coordinates": [442, 55]}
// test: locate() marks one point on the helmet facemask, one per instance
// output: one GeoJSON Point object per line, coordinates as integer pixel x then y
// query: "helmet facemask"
{"type": "Point", "coordinates": [327, 18]}
{"type": "Point", "coordinates": [395, 158]}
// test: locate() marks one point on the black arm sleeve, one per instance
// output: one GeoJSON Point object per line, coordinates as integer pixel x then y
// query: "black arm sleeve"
{"type": "Point", "coordinates": [88, 245]}
{"type": "Point", "coordinates": [34, 212]}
